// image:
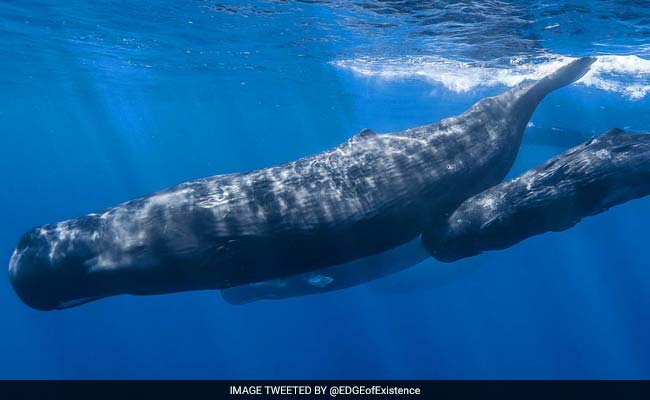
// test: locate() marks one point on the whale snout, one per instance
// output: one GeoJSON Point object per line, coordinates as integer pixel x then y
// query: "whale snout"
{"type": "Point", "coordinates": [30, 271]}
{"type": "Point", "coordinates": [42, 280]}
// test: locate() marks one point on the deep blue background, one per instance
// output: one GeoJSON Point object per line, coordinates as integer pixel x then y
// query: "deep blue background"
{"type": "Point", "coordinates": [101, 103]}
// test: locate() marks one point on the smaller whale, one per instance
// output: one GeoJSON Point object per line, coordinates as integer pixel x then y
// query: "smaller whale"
{"type": "Point", "coordinates": [586, 180]}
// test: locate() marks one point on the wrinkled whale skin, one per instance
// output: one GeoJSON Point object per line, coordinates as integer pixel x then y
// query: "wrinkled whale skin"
{"type": "Point", "coordinates": [586, 180]}
{"type": "Point", "coordinates": [367, 195]}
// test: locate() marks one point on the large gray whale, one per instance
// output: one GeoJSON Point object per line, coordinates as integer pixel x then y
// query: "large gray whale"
{"type": "Point", "coordinates": [367, 195]}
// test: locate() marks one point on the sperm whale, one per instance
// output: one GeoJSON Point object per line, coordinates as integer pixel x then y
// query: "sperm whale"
{"type": "Point", "coordinates": [365, 196]}
{"type": "Point", "coordinates": [586, 180]}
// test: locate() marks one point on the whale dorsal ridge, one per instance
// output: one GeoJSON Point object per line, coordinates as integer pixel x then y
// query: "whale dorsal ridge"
{"type": "Point", "coordinates": [615, 131]}
{"type": "Point", "coordinates": [364, 134]}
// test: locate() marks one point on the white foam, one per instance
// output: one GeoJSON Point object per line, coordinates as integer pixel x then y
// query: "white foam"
{"type": "Point", "coordinates": [628, 75]}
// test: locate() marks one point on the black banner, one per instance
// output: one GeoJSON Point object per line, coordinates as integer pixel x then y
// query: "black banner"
{"type": "Point", "coordinates": [180, 390]}
{"type": "Point", "coordinates": [114, 390]}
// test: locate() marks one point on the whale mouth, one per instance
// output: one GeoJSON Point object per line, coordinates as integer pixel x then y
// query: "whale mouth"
{"type": "Point", "coordinates": [77, 302]}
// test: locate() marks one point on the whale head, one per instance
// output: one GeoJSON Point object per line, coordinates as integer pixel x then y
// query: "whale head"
{"type": "Point", "coordinates": [44, 279]}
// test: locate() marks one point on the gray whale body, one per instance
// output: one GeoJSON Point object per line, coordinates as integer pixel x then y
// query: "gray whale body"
{"type": "Point", "coordinates": [367, 195]}
{"type": "Point", "coordinates": [586, 180]}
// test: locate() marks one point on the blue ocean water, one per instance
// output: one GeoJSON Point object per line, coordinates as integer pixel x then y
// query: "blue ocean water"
{"type": "Point", "coordinates": [101, 102]}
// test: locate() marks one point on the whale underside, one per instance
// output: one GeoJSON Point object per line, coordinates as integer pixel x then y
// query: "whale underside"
{"type": "Point", "coordinates": [586, 180]}
{"type": "Point", "coordinates": [366, 196]}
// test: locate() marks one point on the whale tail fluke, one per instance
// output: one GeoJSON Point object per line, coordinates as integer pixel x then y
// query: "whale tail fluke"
{"type": "Point", "coordinates": [524, 98]}
{"type": "Point", "coordinates": [562, 77]}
